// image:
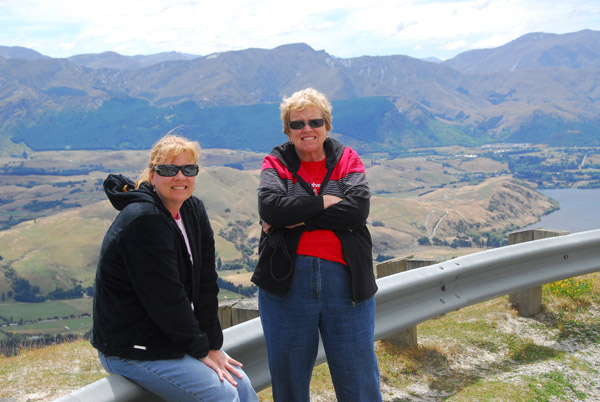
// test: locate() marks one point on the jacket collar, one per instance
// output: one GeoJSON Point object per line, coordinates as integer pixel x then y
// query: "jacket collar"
{"type": "Point", "coordinates": [286, 153]}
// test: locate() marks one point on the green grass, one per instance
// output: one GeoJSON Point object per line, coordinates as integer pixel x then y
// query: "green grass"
{"type": "Point", "coordinates": [554, 385]}
{"type": "Point", "coordinates": [73, 326]}
{"type": "Point", "coordinates": [16, 312]}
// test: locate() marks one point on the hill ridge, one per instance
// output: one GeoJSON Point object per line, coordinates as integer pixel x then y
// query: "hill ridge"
{"type": "Point", "coordinates": [544, 99]}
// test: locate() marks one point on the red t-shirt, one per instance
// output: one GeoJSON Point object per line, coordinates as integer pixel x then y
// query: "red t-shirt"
{"type": "Point", "coordinates": [320, 243]}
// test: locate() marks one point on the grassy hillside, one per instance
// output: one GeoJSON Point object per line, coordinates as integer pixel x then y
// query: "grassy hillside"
{"type": "Point", "coordinates": [62, 249]}
{"type": "Point", "coordinates": [443, 198]}
{"type": "Point", "coordinates": [44, 183]}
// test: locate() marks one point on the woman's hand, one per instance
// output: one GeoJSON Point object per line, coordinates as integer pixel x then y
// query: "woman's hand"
{"type": "Point", "coordinates": [329, 200]}
{"type": "Point", "coordinates": [223, 365]}
{"type": "Point", "coordinates": [265, 227]}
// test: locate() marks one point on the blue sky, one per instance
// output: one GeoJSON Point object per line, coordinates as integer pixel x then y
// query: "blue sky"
{"type": "Point", "coordinates": [343, 28]}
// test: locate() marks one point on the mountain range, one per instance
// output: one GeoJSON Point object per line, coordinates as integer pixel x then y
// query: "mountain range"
{"type": "Point", "coordinates": [539, 88]}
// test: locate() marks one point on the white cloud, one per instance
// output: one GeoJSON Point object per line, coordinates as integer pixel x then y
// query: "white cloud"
{"type": "Point", "coordinates": [344, 28]}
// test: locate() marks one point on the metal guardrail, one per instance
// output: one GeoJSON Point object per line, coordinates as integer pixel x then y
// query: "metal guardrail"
{"type": "Point", "coordinates": [408, 298]}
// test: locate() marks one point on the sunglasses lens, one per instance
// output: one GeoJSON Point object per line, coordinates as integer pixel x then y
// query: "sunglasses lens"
{"type": "Point", "coordinates": [299, 124]}
{"type": "Point", "coordinates": [171, 170]}
{"type": "Point", "coordinates": [316, 123]}
{"type": "Point", "coordinates": [296, 125]}
{"type": "Point", "coordinates": [189, 170]}
{"type": "Point", "coordinates": [166, 170]}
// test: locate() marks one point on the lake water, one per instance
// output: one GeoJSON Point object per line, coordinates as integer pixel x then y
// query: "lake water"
{"type": "Point", "coordinates": [579, 211]}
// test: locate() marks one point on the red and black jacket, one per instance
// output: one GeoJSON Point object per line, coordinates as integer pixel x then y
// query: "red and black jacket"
{"type": "Point", "coordinates": [285, 199]}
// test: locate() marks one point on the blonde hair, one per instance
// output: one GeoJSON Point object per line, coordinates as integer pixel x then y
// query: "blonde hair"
{"type": "Point", "coordinates": [168, 147]}
{"type": "Point", "coordinates": [302, 99]}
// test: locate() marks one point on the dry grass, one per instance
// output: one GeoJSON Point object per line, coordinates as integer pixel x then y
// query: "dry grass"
{"type": "Point", "coordinates": [47, 373]}
{"type": "Point", "coordinates": [242, 278]}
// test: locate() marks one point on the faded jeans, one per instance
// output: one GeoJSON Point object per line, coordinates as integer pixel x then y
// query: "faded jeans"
{"type": "Point", "coordinates": [320, 301]}
{"type": "Point", "coordinates": [180, 380]}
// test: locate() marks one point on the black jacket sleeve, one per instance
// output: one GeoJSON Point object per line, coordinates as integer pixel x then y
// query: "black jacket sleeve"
{"type": "Point", "coordinates": [347, 214]}
{"type": "Point", "coordinates": [279, 209]}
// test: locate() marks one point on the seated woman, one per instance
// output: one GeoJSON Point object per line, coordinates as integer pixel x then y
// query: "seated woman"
{"type": "Point", "coordinates": [155, 304]}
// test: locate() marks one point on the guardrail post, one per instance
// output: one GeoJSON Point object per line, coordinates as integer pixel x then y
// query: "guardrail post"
{"type": "Point", "coordinates": [407, 337]}
{"type": "Point", "coordinates": [244, 310]}
{"type": "Point", "coordinates": [236, 311]}
{"type": "Point", "coordinates": [528, 302]}
{"type": "Point", "coordinates": [225, 307]}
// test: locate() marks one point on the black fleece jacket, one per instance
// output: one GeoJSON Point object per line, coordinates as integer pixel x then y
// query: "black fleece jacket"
{"type": "Point", "coordinates": [285, 199]}
{"type": "Point", "coordinates": [151, 302]}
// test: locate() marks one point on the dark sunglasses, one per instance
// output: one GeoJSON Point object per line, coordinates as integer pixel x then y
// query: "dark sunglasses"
{"type": "Point", "coordinates": [171, 170]}
{"type": "Point", "coordinates": [299, 124]}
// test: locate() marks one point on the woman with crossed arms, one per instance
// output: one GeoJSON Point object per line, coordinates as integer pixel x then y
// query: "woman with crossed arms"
{"type": "Point", "coordinates": [315, 269]}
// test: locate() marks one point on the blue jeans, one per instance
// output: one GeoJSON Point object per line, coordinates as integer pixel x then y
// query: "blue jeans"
{"type": "Point", "coordinates": [320, 300]}
{"type": "Point", "coordinates": [180, 380]}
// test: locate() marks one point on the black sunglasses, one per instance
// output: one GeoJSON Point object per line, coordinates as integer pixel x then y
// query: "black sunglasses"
{"type": "Point", "coordinates": [171, 170]}
{"type": "Point", "coordinates": [299, 124]}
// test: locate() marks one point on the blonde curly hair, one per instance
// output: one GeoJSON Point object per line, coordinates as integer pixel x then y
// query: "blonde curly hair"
{"type": "Point", "coordinates": [302, 99]}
